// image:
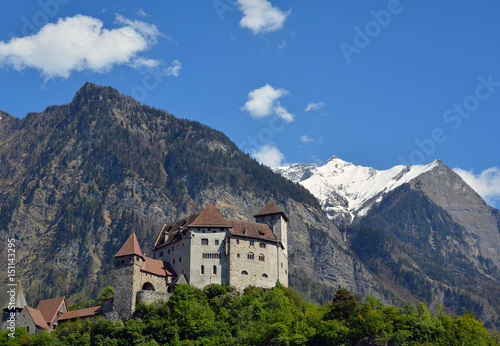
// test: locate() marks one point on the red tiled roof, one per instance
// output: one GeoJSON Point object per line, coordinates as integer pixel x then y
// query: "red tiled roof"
{"type": "Point", "coordinates": [38, 318]}
{"type": "Point", "coordinates": [209, 217]}
{"type": "Point", "coordinates": [269, 209]}
{"type": "Point", "coordinates": [81, 313]}
{"type": "Point", "coordinates": [131, 247]}
{"type": "Point", "coordinates": [157, 267]}
{"type": "Point", "coordinates": [50, 307]}
{"type": "Point", "coordinates": [252, 229]}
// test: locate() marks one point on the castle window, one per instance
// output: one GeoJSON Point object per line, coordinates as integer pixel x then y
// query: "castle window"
{"type": "Point", "coordinates": [264, 275]}
{"type": "Point", "coordinates": [252, 243]}
{"type": "Point", "coordinates": [173, 248]}
{"type": "Point", "coordinates": [180, 259]}
{"type": "Point", "coordinates": [211, 255]}
{"type": "Point", "coordinates": [286, 272]}
{"type": "Point", "coordinates": [262, 245]}
{"type": "Point", "coordinates": [216, 241]}
{"type": "Point", "coordinates": [250, 256]}
{"type": "Point", "coordinates": [204, 241]}
{"type": "Point", "coordinates": [238, 255]}
{"type": "Point", "coordinates": [237, 241]}
{"type": "Point", "coordinates": [173, 261]}
{"type": "Point", "coordinates": [148, 287]}
{"type": "Point", "coordinates": [215, 270]}
{"type": "Point", "coordinates": [168, 251]}
{"type": "Point", "coordinates": [281, 265]}
{"type": "Point", "coordinates": [244, 272]}
{"type": "Point", "coordinates": [161, 254]}
{"type": "Point", "coordinates": [261, 257]}
{"type": "Point", "coordinates": [202, 270]}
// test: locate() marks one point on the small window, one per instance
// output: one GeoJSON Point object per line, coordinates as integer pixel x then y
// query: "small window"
{"type": "Point", "coordinates": [244, 272]}
{"type": "Point", "coordinates": [202, 270]}
{"type": "Point", "coordinates": [161, 254]}
{"type": "Point", "coordinates": [250, 256]}
{"type": "Point", "coordinates": [252, 243]}
{"type": "Point", "coordinates": [168, 251]}
{"type": "Point", "coordinates": [204, 241]}
{"type": "Point", "coordinates": [215, 270]}
{"type": "Point", "coordinates": [173, 248]}
{"type": "Point", "coordinates": [281, 265]}
{"type": "Point", "coordinates": [263, 245]}
{"type": "Point", "coordinates": [237, 255]}
{"type": "Point", "coordinates": [261, 257]}
{"type": "Point", "coordinates": [264, 275]}
{"type": "Point", "coordinates": [286, 272]}
{"type": "Point", "coordinates": [216, 241]}
{"type": "Point", "coordinates": [173, 261]}
{"type": "Point", "coordinates": [180, 259]}
{"type": "Point", "coordinates": [237, 241]}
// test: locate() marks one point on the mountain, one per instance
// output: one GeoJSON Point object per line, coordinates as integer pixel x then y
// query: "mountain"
{"type": "Point", "coordinates": [346, 191]}
{"type": "Point", "coordinates": [77, 179]}
{"type": "Point", "coordinates": [422, 231]}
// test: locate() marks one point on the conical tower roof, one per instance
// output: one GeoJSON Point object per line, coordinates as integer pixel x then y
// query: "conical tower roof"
{"type": "Point", "coordinates": [269, 209]}
{"type": "Point", "coordinates": [131, 247]}
{"type": "Point", "coordinates": [20, 299]}
{"type": "Point", "coordinates": [210, 217]}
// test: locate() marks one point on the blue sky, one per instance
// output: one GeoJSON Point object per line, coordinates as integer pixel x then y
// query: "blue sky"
{"type": "Point", "coordinates": [376, 83]}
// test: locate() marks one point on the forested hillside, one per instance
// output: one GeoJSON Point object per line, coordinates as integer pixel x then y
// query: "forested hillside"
{"type": "Point", "coordinates": [217, 315]}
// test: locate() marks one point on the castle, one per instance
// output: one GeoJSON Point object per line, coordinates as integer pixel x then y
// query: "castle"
{"type": "Point", "coordinates": [202, 249]}
{"type": "Point", "coordinates": [199, 250]}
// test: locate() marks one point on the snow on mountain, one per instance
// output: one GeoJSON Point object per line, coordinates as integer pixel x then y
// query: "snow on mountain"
{"type": "Point", "coordinates": [345, 190]}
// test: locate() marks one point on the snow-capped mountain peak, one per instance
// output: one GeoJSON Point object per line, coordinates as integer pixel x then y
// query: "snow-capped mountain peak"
{"type": "Point", "coordinates": [346, 190]}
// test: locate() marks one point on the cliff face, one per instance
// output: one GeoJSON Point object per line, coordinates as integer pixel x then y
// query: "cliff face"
{"type": "Point", "coordinates": [77, 179]}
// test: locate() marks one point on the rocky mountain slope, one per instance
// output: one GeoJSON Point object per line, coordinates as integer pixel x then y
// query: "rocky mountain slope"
{"type": "Point", "coordinates": [421, 230]}
{"type": "Point", "coordinates": [77, 179]}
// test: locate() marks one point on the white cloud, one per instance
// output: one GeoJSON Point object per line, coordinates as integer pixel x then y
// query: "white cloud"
{"type": "Point", "coordinates": [141, 12]}
{"type": "Point", "coordinates": [80, 43]}
{"type": "Point", "coordinates": [174, 69]}
{"type": "Point", "coordinates": [269, 155]}
{"type": "Point", "coordinates": [260, 16]}
{"type": "Point", "coordinates": [306, 138]}
{"type": "Point", "coordinates": [486, 183]}
{"type": "Point", "coordinates": [264, 102]}
{"type": "Point", "coordinates": [314, 106]}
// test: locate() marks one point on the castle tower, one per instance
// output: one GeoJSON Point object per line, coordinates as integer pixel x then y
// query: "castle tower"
{"type": "Point", "coordinates": [128, 263]}
{"type": "Point", "coordinates": [14, 302]}
{"type": "Point", "coordinates": [275, 217]}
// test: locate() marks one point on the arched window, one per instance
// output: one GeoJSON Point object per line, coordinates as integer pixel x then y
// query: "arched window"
{"type": "Point", "coordinates": [148, 287]}
{"type": "Point", "coordinates": [215, 270]}
{"type": "Point", "coordinates": [264, 275]}
{"type": "Point", "coordinates": [204, 241]}
{"type": "Point", "coordinates": [261, 257]}
{"type": "Point", "coordinates": [250, 256]}
{"type": "Point", "coordinates": [202, 270]}
{"type": "Point", "coordinates": [244, 272]}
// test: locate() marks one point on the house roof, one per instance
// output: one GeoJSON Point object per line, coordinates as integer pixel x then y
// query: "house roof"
{"type": "Point", "coordinates": [130, 247]}
{"type": "Point", "coordinates": [50, 307]}
{"type": "Point", "coordinates": [157, 267]}
{"type": "Point", "coordinates": [181, 279]}
{"type": "Point", "coordinates": [269, 209]}
{"type": "Point", "coordinates": [172, 230]}
{"type": "Point", "coordinates": [81, 313]}
{"type": "Point", "coordinates": [37, 317]}
{"type": "Point", "coordinates": [20, 299]}
{"type": "Point", "coordinates": [252, 229]}
{"type": "Point", "coordinates": [209, 217]}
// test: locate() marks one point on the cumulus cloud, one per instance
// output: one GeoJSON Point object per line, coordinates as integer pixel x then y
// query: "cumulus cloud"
{"type": "Point", "coordinates": [264, 102]}
{"type": "Point", "coordinates": [314, 106]}
{"type": "Point", "coordinates": [80, 43]}
{"type": "Point", "coordinates": [260, 16]}
{"type": "Point", "coordinates": [269, 155]}
{"type": "Point", "coordinates": [174, 69]}
{"type": "Point", "coordinates": [306, 138]}
{"type": "Point", "coordinates": [486, 183]}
